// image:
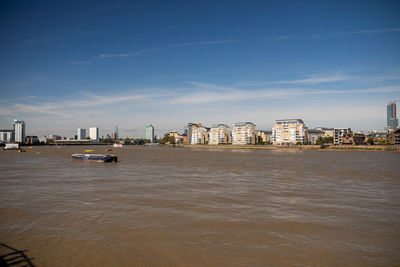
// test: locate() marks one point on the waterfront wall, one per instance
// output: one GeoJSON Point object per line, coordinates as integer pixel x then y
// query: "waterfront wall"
{"type": "Point", "coordinates": [298, 147]}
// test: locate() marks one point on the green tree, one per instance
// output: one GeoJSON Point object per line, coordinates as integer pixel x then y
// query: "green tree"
{"type": "Point", "coordinates": [320, 140]}
{"type": "Point", "coordinates": [168, 140]}
{"type": "Point", "coordinates": [370, 141]}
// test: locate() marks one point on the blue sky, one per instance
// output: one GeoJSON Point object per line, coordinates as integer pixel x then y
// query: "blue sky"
{"type": "Point", "coordinates": [77, 64]}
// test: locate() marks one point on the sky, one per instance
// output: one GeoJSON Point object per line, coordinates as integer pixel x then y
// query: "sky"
{"type": "Point", "coordinates": [80, 64]}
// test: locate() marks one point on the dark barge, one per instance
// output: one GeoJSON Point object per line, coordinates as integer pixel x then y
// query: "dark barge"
{"type": "Point", "coordinates": [95, 157]}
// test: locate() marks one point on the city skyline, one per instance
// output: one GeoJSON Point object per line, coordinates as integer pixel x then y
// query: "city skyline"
{"type": "Point", "coordinates": [172, 63]}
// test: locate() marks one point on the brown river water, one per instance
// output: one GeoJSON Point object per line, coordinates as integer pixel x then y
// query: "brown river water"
{"type": "Point", "coordinates": [197, 207]}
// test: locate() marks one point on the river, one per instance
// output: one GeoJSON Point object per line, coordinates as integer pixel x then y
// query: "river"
{"type": "Point", "coordinates": [163, 206]}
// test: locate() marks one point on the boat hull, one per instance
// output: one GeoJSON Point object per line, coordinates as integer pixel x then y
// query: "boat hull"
{"type": "Point", "coordinates": [95, 157]}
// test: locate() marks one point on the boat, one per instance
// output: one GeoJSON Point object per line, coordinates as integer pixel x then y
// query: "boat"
{"type": "Point", "coordinates": [95, 157]}
{"type": "Point", "coordinates": [21, 150]}
{"type": "Point", "coordinates": [11, 147]}
{"type": "Point", "coordinates": [117, 145]}
{"type": "Point", "coordinates": [108, 149]}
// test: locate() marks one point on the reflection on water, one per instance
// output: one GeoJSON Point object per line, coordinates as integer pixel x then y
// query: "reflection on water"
{"type": "Point", "coordinates": [195, 207]}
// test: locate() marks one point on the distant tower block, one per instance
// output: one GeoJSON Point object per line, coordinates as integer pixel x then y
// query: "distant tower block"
{"type": "Point", "coordinates": [391, 121]}
{"type": "Point", "coordinates": [149, 132]}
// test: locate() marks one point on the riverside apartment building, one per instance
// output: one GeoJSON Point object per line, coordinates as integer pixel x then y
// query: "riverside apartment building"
{"type": "Point", "coordinates": [244, 133]}
{"type": "Point", "coordinates": [289, 132]}
{"type": "Point", "coordinates": [199, 135]}
{"type": "Point", "coordinates": [219, 134]}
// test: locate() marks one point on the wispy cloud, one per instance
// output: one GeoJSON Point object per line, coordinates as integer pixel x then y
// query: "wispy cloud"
{"type": "Point", "coordinates": [316, 79]}
{"type": "Point", "coordinates": [364, 32]}
{"type": "Point", "coordinates": [202, 43]}
{"type": "Point", "coordinates": [307, 80]}
{"type": "Point", "coordinates": [195, 100]}
{"type": "Point", "coordinates": [143, 51]}
{"type": "Point", "coordinates": [281, 37]}
{"type": "Point", "coordinates": [210, 93]}
{"type": "Point", "coordinates": [136, 53]}
{"type": "Point", "coordinates": [330, 35]}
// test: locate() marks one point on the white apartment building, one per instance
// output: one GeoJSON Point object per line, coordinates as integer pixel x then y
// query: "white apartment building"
{"type": "Point", "coordinates": [199, 135]}
{"type": "Point", "coordinates": [94, 133]}
{"type": "Point", "coordinates": [289, 132]}
{"type": "Point", "coordinates": [219, 134]}
{"type": "Point", "coordinates": [188, 130]}
{"type": "Point", "coordinates": [19, 131]}
{"type": "Point", "coordinates": [244, 133]}
{"type": "Point", "coordinates": [6, 136]}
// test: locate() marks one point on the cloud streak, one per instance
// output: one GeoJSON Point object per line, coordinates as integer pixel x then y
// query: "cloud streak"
{"type": "Point", "coordinates": [143, 51]}
{"type": "Point", "coordinates": [337, 34]}
{"type": "Point", "coordinates": [195, 101]}
{"type": "Point", "coordinates": [317, 79]}
{"type": "Point", "coordinates": [307, 80]}
{"type": "Point", "coordinates": [197, 94]}
{"type": "Point", "coordinates": [330, 35]}
{"type": "Point", "coordinates": [202, 43]}
{"type": "Point", "coordinates": [281, 37]}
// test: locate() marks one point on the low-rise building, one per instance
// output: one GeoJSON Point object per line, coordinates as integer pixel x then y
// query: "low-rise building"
{"type": "Point", "coordinates": [314, 134]}
{"type": "Point", "coordinates": [31, 140]}
{"type": "Point", "coordinates": [264, 136]}
{"type": "Point", "coordinates": [54, 137]}
{"type": "Point", "coordinates": [354, 139]}
{"type": "Point", "coordinates": [43, 139]}
{"type": "Point", "coordinates": [328, 132]}
{"type": "Point", "coordinates": [378, 138]}
{"type": "Point", "coordinates": [338, 135]}
{"type": "Point", "coordinates": [219, 134]}
{"type": "Point", "coordinates": [395, 136]}
{"type": "Point", "coordinates": [199, 135]}
{"type": "Point", "coordinates": [244, 133]}
{"type": "Point", "coordinates": [184, 139]}
{"type": "Point", "coordinates": [177, 136]}
{"type": "Point", "coordinates": [359, 139]}
{"type": "Point", "coordinates": [289, 132]}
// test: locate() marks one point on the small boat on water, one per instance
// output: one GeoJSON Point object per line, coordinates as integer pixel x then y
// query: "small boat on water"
{"type": "Point", "coordinates": [108, 149]}
{"type": "Point", "coordinates": [11, 147]}
{"type": "Point", "coordinates": [95, 157]}
{"type": "Point", "coordinates": [117, 145]}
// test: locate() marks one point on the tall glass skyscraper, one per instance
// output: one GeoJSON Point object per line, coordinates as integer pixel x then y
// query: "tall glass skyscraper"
{"type": "Point", "coordinates": [392, 121]}
{"type": "Point", "coordinates": [149, 132]}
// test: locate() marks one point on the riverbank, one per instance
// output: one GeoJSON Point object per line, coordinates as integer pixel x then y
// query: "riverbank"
{"type": "Point", "coordinates": [299, 147]}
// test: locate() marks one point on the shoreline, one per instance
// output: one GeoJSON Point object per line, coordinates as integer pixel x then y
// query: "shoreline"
{"type": "Point", "coordinates": [299, 147]}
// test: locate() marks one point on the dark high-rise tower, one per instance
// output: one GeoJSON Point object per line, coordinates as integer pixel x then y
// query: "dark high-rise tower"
{"type": "Point", "coordinates": [392, 121]}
